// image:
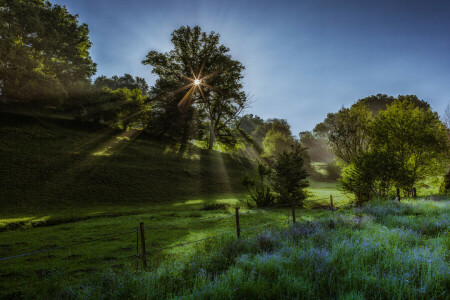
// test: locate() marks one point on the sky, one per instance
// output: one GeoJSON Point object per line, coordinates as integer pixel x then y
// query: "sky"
{"type": "Point", "coordinates": [303, 59]}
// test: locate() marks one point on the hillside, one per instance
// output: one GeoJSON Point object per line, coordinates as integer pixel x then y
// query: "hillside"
{"type": "Point", "coordinates": [52, 164]}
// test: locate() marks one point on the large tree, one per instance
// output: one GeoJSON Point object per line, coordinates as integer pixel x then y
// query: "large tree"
{"type": "Point", "coordinates": [415, 138]}
{"type": "Point", "coordinates": [200, 74]}
{"type": "Point", "coordinates": [374, 104]}
{"type": "Point", "coordinates": [44, 51]}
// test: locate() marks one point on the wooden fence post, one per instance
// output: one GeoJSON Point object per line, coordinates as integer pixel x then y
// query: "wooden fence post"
{"type": "Point", "coordinates": [293, 213]}
{"type": "Point", "coordinates": [144, 258]}
{"type": "Point", "coordinates": [238, 228]}
{"type": "Point", "coordinates": [331, 202]}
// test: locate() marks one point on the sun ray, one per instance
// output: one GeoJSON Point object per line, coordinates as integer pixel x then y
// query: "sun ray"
{"type": "Point", "coordinates": [201, 69]}
{"type": "Point", "coordinates": [203, 95]}
{"type": "Point", "coordinates": [183, 88]}
{"type": "Point", "coordinates": [186, 97]}
{"type": "Point", "coordinates": [211, 87]}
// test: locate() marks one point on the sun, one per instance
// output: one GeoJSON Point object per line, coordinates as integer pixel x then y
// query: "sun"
{"type": "Point", "coordinates": [197, 84]}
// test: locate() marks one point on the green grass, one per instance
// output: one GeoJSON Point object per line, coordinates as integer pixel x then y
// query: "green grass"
{"type": "Point", "coordinates": [65, 182]}
{"type": "Point", "coordinates": [383, 250]}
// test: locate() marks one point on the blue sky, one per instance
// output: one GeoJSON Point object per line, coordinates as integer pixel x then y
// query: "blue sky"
{"type": "Point", "coordinates": [303, 59]}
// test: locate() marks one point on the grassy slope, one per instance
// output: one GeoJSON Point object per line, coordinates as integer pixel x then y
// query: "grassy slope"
{"type": "Point", "coordinates": [51, 166]}
{"type": "Point", "coordinates": [55, 170]}
{"type": "Point", "coordinates": [63, 182]}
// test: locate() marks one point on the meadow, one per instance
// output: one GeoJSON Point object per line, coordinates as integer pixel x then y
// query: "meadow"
{"type": "Point", "coordinates": [384, 250]}
{"type": "Point", "coordinates": [64, 183]}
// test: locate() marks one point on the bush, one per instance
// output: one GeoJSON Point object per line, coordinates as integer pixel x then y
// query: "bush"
{"type": "Point", "coordinates": [259, 189]}
{"type": "Point", "coordinates": [445, 185]}
{"type": "Point", "coordinates": [290, 177]}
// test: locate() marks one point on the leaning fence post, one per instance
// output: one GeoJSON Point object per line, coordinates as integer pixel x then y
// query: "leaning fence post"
{"type": "Point", "coordinates": [293, 213]}
{"type": "Point", "coordinates": [331, 202]}
{"type": "Point", "coordinates": [137, 248]}
{"type": "Point", "coordinates": [144, 259]}
{"type": "Point", "coordinates": [238, 228]}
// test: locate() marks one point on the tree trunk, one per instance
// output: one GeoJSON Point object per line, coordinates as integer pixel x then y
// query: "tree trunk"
{"type": "Point", "coordinates": [184, 137]}
{"type": "Point", "coordinates": [212, 136]}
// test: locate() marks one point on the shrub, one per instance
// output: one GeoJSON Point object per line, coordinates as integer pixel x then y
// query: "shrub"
{"type": "Point", "coordinates": [290, 177]}
{"type": "Point", "coordinates": [259, 188]}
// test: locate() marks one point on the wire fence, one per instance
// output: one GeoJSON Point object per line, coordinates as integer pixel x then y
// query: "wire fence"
{"type": "Point", "coordinates": [140, 234]}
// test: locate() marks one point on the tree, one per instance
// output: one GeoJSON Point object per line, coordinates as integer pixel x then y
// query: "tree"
{"type": "Point", "coordinates": [374, 104]}
{"type": "Point", "coordinates": [348, 133]}
{"type": "Point", "coordinates": [44, 51]}
{"type": "Point", "coordinates": [369, 175]}
{"type": "Point", "coordinates": [290, 180]}
{"type": "Point", "coordinates": [259, 188]}
{"type": "Point", "coordinates": [275, 142]}
{"type": "Point", "coordinates": [316, 145]}
{"type": "Point", "coordinates": [416, 140]}
{"type": "Point", "coordinates": [125, 81]}
{"type": "Point", "coordinates": [446, 116]}
{"type": "Point", "coordinates": [250, 122]}
{"type": "Point", "coordinates": [200, 68]}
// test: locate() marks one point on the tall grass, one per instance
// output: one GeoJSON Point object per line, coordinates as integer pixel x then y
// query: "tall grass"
{"type": "Point", "coordinates": [383, 250]}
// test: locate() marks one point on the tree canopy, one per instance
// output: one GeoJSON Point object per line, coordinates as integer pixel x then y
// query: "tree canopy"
{"type": "Point", "coordinates": [398, 147]}
{"type": "Point", "coordinates": [44, 51]}
{"type": "Point", "coordinates": [199, 78]}
{"type": "Point", "coordinates": [126, 81]}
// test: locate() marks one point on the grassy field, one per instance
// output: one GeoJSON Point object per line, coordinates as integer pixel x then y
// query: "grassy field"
{"type": "Point", "coordinates": [383, 250]}
{"type": "Point", "coordinates": [63, 182]}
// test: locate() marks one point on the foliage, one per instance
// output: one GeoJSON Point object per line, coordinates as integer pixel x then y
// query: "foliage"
{"type": "Point", "coordinates": [369, 175]}
{"type": "Point", "coordinates": [43, 51]}
{"type": "Point", "coordinates": [250, 122]}
{"type": "Point", "coordinates": [348, 135]}
{"type": "Point", "coordinates": [290, 176]}
{"type": "Point", "coordinates": [259, 189]}
{"type": "Point", "coordinates": [132, 109]}
{"type": "Point", "coordinates": [125, 81]}
{"type": "Point", "coordinates": [446, 116]}
{"type": "Point", "coordinates": [374, 104]}
{"type": "Point", "coordinates": [445, 185]}
{"type": "Point", "coordinates": [275, 142]}
{"type": "Point", "coordinates": [400, 146]}
{"type": "Point", "coordinates": [316, 145]}
{"type": "Point", "coordinates": [381, 102]}
{"type": "Point", "coordinates": [414, 138]}
{"type": "Point", "coordinates": [216, 102]}
{"type": "Point", "coordinates": [276, 125]}
{"type": "Point", "coordinates": [333, 171]}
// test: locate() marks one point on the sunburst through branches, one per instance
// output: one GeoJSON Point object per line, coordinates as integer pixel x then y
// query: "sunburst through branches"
{"type": "Point", "coordinates": [196, 84]}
